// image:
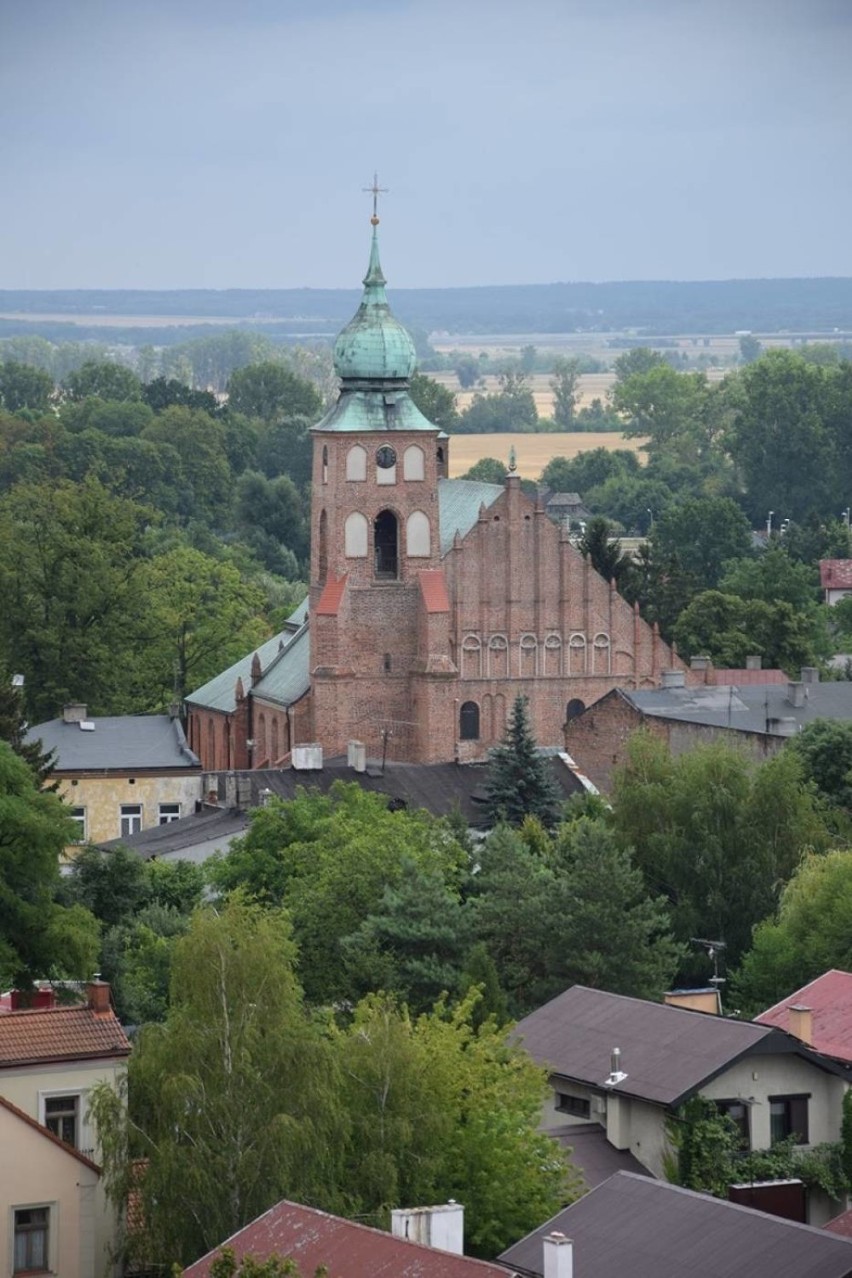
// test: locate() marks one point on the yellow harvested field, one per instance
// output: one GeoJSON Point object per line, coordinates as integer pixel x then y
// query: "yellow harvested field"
{"type": "Point", "coordinates": [533, 452]}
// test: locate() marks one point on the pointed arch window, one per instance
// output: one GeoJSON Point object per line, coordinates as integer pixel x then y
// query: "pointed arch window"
{"type": "Point", "coordinates": [386, 544]}
{"type": "Point", "coordinates": [469, 721]}
{"type": "Point", "coordinates": [322, 548]}
{"type": "Point", "coordinates": [356, 463]}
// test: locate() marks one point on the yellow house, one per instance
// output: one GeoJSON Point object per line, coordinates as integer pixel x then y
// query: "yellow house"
{"type": "Point", "coordinates": [54, 1214]}
{"type": "Point", "coordinates": [121, 774]}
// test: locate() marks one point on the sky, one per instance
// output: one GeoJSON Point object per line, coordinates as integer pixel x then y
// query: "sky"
{"type": "Point", "coordinates": [226, 143]}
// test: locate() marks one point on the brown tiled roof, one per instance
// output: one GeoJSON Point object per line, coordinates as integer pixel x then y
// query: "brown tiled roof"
{"type": "Point", "coordinates": [756, 678]}
{"type": "Point", "coordinates": [43, 1131]}
{"type": "Point", "coordinates": [59, 1034]}
{"type": "Point", "coordinates": [641, 1228]}
{"type": "Point", "coordinates": [841, 1224]}
{"type": "Point", "coordinates": [830, 999]}
{"type": "Point", "coordinates": [329, 600]}
{"type": "Point", "coordinates": [346, 1249]}
{"type": "Point", "coordinates": [433, 587]}
{"type": "Point", "coordinates": [835, 574]}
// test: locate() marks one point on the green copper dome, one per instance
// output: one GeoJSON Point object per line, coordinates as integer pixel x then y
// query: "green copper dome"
{"type": "Point", "coordinates": [374, 347]}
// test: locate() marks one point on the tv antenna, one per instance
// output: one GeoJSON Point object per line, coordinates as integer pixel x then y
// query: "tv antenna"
{"type": "Point", "coordinates": [712, 948]}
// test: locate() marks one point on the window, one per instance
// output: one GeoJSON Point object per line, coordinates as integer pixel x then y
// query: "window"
{"type": "Point", "coordinates": [61, 1116]}
{"type": "Point", "coordinates": [737, 1111]}
{"type": "Point", "coordinates": [576, 1105]}
{"type": "Point", "coordinates": [355, 536]}
{"type": "Point", "coordinates": [413, 463]}
{"type": "Point", "coordinates": [356, 463]}
{"type": "Point", "coordinates": [325, 464]}
{"type": "Point", "coordinates": [169, 812]}
{"type": "Point", "coordinates": [79, 815]}
{"type": "Point", "coordinates": [417, 535]}
{"type": "Point", "coordinates": [385, 541]}
{"type": "Point", "coordinates": [31, 1240]}
{"type": "Point", "coordinates": [469, 721]}
{"type": "Point", "coordinates": [322, 548]}
{"type": "Point", "coordinates": [131, 819]}
{"type": "Point", "coordinates": [788, 1116]}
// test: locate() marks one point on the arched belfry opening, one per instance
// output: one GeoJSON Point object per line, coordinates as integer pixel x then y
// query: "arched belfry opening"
{"type": "Point", "coordinates": [386, 545]}
{"type": "Point", "coordinates": [322, 549]}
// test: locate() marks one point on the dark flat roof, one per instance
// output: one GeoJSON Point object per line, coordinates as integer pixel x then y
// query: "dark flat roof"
{"type": "Point", "coordinates": [188, 832]}
{"type": "Point", "coordinates": [666, 1052]}
{"type": "Point", "coordinates": [634, 1227]}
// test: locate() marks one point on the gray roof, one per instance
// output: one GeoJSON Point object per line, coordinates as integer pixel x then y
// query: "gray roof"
{"type": "Point", "coordinates": [746, 708]}
{"type": "Point", "coordinates": [631, 1225]}
{"type": "Point", "coordinates": [209, 825]}
{"type": "Point", "coordinates": [285, 679]}
{"type": "Point", "coordinates": [564, 499]}
{"type": "Point", "coordinates": [667, 1052]}
{"type": "Point", "coordinates": [119, 742]}
{"type": "Point", "coordinates": [458, 506]}
{"type": "Point", "coordinates": [592, 1153]}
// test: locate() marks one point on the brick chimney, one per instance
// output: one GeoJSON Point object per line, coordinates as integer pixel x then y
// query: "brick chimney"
{"type": "Point", "coordinates": [558, 1256]}
{"type": "Point", "coordinates": [97, 996]}
{"type": "Point", "coordinates": [800, 1020]}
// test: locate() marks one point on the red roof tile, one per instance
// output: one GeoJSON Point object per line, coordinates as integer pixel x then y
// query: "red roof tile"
{"type": "Point", "coordinates": [841, 1224]}
{"type": "Point", "coordinates": [830, 999]}
{"type": "Point", "coordinates": [59, 1034]}
{"type": "Point", "coordinates": [721, 678]}
{"type": "Point", "coordinates": [433, 587]}
{"type": "Point", "coordinates": [42, 1131]}
{"type": "Point", "coordinates": [332, 594]}
{"type": "Point", "coordinates": [346, 1249]}
{"type": "Point", "coordinates": [835, 574]}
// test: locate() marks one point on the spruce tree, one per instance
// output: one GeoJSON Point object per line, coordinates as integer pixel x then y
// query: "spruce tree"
{"type": "Point", "coordinates": [519, 780]}
{"type": "Point", "coordinates": [13, 728]}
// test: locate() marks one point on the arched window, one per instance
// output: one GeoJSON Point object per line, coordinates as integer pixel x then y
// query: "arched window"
{"type": "Point", "coordinates": [413, 463]}
{"type": "Point", "coordinates": [469, 721]}
{"type": "Point", "coordinates": [574, 709]}
{"type": "Point", "coordinates": [553, 655]}
{"type": "Point", "coordinates": [274, 747]}
{"type": "Point", "coordinates": [355, 536]}
{"type": "Point", "coordinates": [441, 459]}
{"type": "Point", "coordinates": [417, 536]}
{"type": "Point", "coordinates": [577, 654]}
{"type": "Point", "coordinates": [356, 463]}
{"type": "Point", "coordinates": [325, 463]}
{"type": "Point", "coordinates": [210, 761]}
{"type": "Point", "coordinates": [601, 654]}
{"type": "Point", "coordinates": [322, 548]}
{"type": "Point", "coordinates": [471, 657]}
{"type": "Point", "coordinates": [386, 544]}
{"type": "Point", "coordinates": [528, 657]}
{"type": "Point", "coordinates": [498, 657]}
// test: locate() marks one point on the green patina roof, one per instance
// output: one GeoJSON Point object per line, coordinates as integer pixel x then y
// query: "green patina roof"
{"type": "Point", "coordinates": [374, 346]}
{"type": "Point", "coordinates": [365, 410]}
{"type": "Point", "coordinates": [459, 501]}
{"type": "Point", "coordinates": [218, 693]}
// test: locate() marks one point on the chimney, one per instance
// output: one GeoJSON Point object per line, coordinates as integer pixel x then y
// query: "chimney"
{"type": "Point", "coordinates": [672, 679]}
{"type": "Point", "coordinates": [800, 1020]}
{"type": "Point", "coordinates": [74, 712]}
{"type": "Point", "coordinates": [700, 663]}
{"type": "Point", "coordinates": [810, 674]}
{"type": "Point", "coordinates": [796, 694]}
{"type": "Point", "coordinates": [441, 1227]}
{"type": "Point", "coordinates": [558, 1256]}
{"type": "Point", "coordinates": [97, 996]}
{"type": "Point", "coordinates": [754, 662]}
{"type": "Point", "coordinates": [356, 756]}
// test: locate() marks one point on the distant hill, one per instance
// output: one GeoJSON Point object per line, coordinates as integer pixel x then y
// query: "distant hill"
{"type": "Point", "coordinates": [654, 307]}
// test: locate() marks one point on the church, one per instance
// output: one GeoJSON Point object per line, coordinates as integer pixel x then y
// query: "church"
{"type": "Point", "coordinates": [433, 602]}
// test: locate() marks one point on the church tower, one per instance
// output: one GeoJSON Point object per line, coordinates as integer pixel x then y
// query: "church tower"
{"type": "Point", "coordinates": [375, 537]}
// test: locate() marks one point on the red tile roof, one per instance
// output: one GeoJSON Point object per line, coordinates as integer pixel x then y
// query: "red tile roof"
{"type": "Point", "coordinates": [721, 678]}
{"type": "Point", "coordinates": [344, 1248]}
{"type": "Point", "coordinates": [841, 1224]}
{"type": "Point", "coordinates": [835, 574]}
{"type": "Point", "coordinates": [433, 587]}
{"type": "Point", "coordinates": [332, 594]}
{"type": "Point", "coordinates": [830, 999]}
{"type": "Point", "coordinates": [40, 1035]}
{"type": "Point", "coordinates": [42, 1131]}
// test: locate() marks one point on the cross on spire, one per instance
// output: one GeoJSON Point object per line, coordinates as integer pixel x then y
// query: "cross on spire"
{"type": "Point", "coordinates": [375, 190]}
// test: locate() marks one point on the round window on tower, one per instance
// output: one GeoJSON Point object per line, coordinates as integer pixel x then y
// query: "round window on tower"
{"type": "Point", "coordinates": [385, 457]}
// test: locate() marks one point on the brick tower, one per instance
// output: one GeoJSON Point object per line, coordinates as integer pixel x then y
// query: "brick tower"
{"type": "Point", "coordinates": [375, 537]}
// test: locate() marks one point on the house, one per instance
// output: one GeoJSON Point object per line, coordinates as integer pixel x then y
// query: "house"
{"type": "Point", "coordinates": [52, 1201]}
{"type": "Point", "coordinates": [758, 717]}
{"type": "Point", "coordinates": [433, 602]}
{"type": "Point", "coordinates": [439, 788]}
{"type": "Point", "coordinates": [566, 508]}
{"type": "Point", "coordinates": [121, 773]}
{"type": "Point", "coordinates": [820, 1014]}
{"type": "Point", "coordinates": [345, 1249]}
{"type": "Point", "coordinates": [634, 1227]}
{"type": "Point", "coordinates": [835, 579]}
{"type": "Point", "coordinates": [628, 1065]}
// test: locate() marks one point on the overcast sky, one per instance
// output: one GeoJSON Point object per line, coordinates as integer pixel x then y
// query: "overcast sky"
{"type": "Point", "coordinates": [224, 143]}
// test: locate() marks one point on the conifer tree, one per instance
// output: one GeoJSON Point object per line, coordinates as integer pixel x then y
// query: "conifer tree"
{"type": "Point", "coordinates": [519, 781]}
{"type": "Point", "coordinates": [13, 728]}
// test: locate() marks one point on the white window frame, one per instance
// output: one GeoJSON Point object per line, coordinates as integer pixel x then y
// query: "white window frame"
{"type": "Point", "coordinates": [52, 1232]}
{"type": "Point", "coordinates": [125, 813]}
{"type": "Point", "coordinates": [80, 816]}
{"type": "Point", "coordinates": [85, 1135]}
{"type": "Point", "coordinates": [170, 811]}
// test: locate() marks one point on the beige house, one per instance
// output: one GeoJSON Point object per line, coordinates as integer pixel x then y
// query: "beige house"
{"type": "Point", "coordinates": [121, 774]}
{"type": "Point", "coordinates": [54, 1214]}
{"type": "Point", "coordinates": [626, 1065]}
